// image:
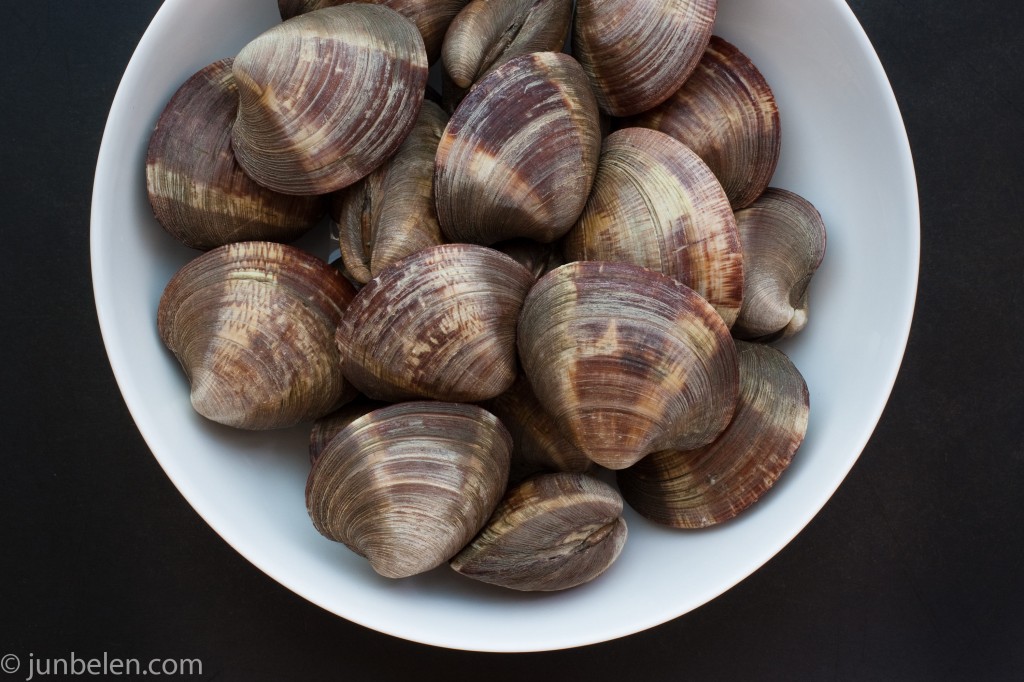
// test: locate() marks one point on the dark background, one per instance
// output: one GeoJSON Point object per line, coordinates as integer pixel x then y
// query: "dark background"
{"type": "Point", "coordinates": [911, 571]}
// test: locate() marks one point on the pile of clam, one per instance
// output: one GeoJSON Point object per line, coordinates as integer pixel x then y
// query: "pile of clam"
{"type": "Point", "coordinates": [559, 266]}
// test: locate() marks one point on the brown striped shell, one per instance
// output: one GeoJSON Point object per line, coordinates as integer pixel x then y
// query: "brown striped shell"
{"type": "Point", "coordinates": [326, 97]}
{"type": "Point", "coordinates": [538, 258]}
{"type": "Point", "coordinates": [390, 213]}
{"type": "Point", "coordinates": [519, 154]}
{"type": "Point", "coordinates": [488, 33]}
{"type": "Point", "coordinates": [638, 52]}
{"type": "Point", "coordinates": [550, 532]}
{"type": "Point", "coordinates": [327, 427]}
{"type": "Point", "coordinates": [657, 205]}
{"type": "Point", "coordinates": [408, 485]}
{"type": "Point", "coordinates": [439, 324]}
{"type": "Point", "coordinates": [783, 240]}
{"type": "Point", "coordinates": [712, 484]}
{"type": "Point", "coordinates": [431, 17]}
{"type": "Point", "coordinates": [627, 361]}
{"type": "Point", "coordinates": [726, 113]}
{"type": "Point", "coordinates": [538, 443]}
{"type": "Point", "coordinates": [197, 190]}
{"type": "Point", "coordinates": [252, 325]}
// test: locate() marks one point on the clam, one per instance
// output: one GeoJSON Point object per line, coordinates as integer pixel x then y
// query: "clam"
{"type": "Point", "coordinates": [390, 213]}
{"type": "Point", "coordinates": [726, 113]}
{"type": "Point", "coordinates": [783, 244]}
{"type": "Point", "coordinates": [627, 361]}
{"type": "Point", "coordinates": [431, 17]}
{"type": "Point", "coordinates": [252, 325]}
{"type": "Point", "coordinates": [550, 532]}
{"type": "Point", "coordinates": [438, 324]}
{"type": "Point", "coordinates": [198, 192]}
{"type": "Point", "coordinates": [326, 97]}
{"type": "Point", "coordinates": [519, 154]}
{"type": "Point", "coordinates": [638, 52]}
{"type": "Point", "coordinates": [408, 485]}
{"type": "Point", "coordinates": [657, 205]}
{"type": "Point", "coordinates": [538, 258]}
{"type": "Point", "coordinates": [709, 485]}
{"type": "Point", "coordinates": [488, 33]}
{"type": "Point", "coordinates": [327, 427]}
{"type": "Point", "coordinates": [538, 443]}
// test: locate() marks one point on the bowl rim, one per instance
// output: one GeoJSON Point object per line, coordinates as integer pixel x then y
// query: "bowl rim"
{"type": "Point", "coordinates": [114, 345]}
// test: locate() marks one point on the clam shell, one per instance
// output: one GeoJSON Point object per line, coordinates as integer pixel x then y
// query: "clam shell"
{"type": "Point", "coordinates": [326, 97]}
{"type": "Point", "coordinates": [327, 427]}
{"type": "Point", "coordinates": [431, 17]}
{"type": "Point", "coordinates": [439, 324]}
{"type": "Point", "coordinates": [712, 484]}
{"type": "Point", "coordinates": [408, 485]}
{"type": "Point", "coordinates": [390, 213]}
{"type": "Point", "coordinates": [538, 258]}
{"type": "Point", "coordinates": [252, 325]}
{"type": "Point", "coordinates": [638, 52]}
{"type": "Point", "coordinates": [538, 443]}
{"type": "Point", "coordinates": [488, 33]}
{"type": "Point", "coordinates": [551, 532]}
{"type": "Point", "coordinates": [727, 114]}
{"type": "Point", "coordinates": [783, 240]}
{"type": "Point", "coordinates": [627, 361]}
{"type": "Point", "coordinates": [519, 154]}
{"type": "Point", "coordinates": [198, 191]}
{"type": "Point", "coordinates": [657, 205]}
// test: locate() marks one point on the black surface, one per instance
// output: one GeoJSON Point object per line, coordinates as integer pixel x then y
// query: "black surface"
{"type": "Point", "coordinates": [911, 572]}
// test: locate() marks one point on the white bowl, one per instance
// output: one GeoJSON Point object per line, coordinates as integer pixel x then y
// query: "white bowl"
{"type": "Point", "coordinates": [844, 148]}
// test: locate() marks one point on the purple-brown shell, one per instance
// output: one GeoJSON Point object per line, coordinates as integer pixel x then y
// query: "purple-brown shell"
{"type": "Point", "coordinates": [727, 114]}
{"type": "Point", "coordinates": [431, 17]}
{"type": "Point", "coordinates": [519, 154]}
{"type": "Point", "coordinates": [390, 213]}
{"type": "Point", "coordinates": [783, 239]}
{"type": "Point", "coordinates": [408, 485]}
{"type": "Point", "coordinates": [550, 532]}
{"type": "Point", "coordinates": [198, 192]}
{"type": "Point", "coordinates": [638, 52]}
{"type": "Point", "coordinates": [627, 361]}
{"type": "Point", "coordinates": [712, 484]}
{"type": "Point", "coordinates": [438, 324]}
{"type": "Point", "coordinates": [252, 325]}
{"type": "Point", "coordinates": [488, 33]}
{"type": "Point", "coordinates": [657, 205]}
{"type": "Point", "coordinates": [326, 97]}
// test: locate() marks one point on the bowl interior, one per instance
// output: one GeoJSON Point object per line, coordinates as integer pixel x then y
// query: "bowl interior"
{"type": "Point", "coordinates": [844, 149]}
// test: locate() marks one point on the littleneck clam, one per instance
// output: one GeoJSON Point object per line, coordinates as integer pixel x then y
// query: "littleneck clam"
{"type": "Point", "coordinates": [488, 33]}
{"type": "Point", "coordinates": [390, 213]}
{"type": "Point", "coordinates": [408, 485]}
{"type": "Point", "coordinates": [709, 485]}
{"type": "Point", "coordinates": [252, 325]}
{"type": "Point", "coordinates": [550, 532]}
{"type": "Point", "coordinates": [783, 240]}
{"type": "Point", "coordinates": [638, 52]}
{"type": "Point", "coordinates": [727, 114]}
{"type": "Point", "coordinates": [519, 154]}
{"type": "Point", "coordinates": [538, 258]}
{"type": "Point", "coordinates": [438, 324]}
{"type": "Point", "coordinates": [627, 361]}
{"type": "Point", "coordinates": [326, 97]}
{"type": "Point", "coordinates": [538, 443]}
{"type": "Point", "coordinates": [327, 427]}
{"type": "Point", "coordinates": [431, 17]}
{"type": "Point", "coordinates": [657, 205]}
{"type": "Point", "coordinates": [197, 190]}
